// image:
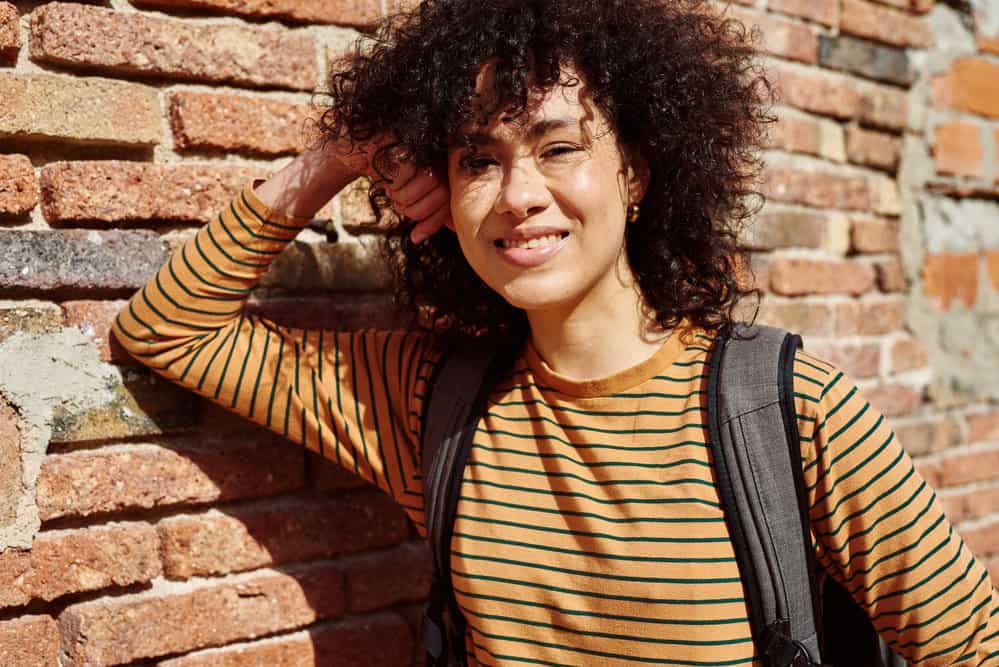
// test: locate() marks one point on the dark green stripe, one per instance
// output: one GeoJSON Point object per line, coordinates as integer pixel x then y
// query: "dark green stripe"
{"type": "Point", "coordinates": [599, 536]}
{"type": "Point", "coordinates": [592, 515]}
{"type": "Point", "coordinates": [569, 475]}
{"type": "Point", "coordinates": [602, 501]}
{"type": "Point", "coordinates": [591, 465]}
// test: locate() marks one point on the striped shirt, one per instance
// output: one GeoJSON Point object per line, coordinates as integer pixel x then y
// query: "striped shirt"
{"type": "Point", "coordinates": [589, 529]}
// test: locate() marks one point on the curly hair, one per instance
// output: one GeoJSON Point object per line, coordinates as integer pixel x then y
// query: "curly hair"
{"type": "Point", "coordinates": [676, 80]}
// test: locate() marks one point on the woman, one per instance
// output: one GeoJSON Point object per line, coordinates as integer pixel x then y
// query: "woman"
{"type": "Point", "coordinates": [569, 172]}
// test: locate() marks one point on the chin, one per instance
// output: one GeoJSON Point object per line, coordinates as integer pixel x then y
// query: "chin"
{"type": "Point", "coordinates": [530, 295]}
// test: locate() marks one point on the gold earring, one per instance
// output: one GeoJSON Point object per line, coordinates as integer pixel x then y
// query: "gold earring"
{"type": "Point", "coordinates": [633, 212]}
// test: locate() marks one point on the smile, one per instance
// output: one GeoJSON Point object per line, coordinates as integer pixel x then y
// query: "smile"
{"type": "Point", "coordinates": [537, 242]}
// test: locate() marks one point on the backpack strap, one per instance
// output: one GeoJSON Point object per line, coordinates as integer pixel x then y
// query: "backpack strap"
{"type": "Point", "coordinates": [459, 389]}
{"type": "Point", "coordinates": [757, 461]}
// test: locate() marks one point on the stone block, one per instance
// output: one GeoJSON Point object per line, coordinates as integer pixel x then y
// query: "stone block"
{"type": "Point", "coordinates": [29, 641]}
{"type": "Point", "coordinates": [140, 44]}
{"type": "Point", "coordinates": [77, 262]}
{"type": "Point", "coordinates": [796, 277]}
{"type": "Point", "coordinates": [356, 13]}
{"type": "Point", "coordinates": [18, 188]}
{"type": "Point", "coordinates": [141, 477]}
{"type": "Point", "coordinates": [866, 59]}
{"type": "Point", "coordinates": [80, 560]}
{"type": "Point", "coordinates": [29, 318]}
{"type": "Point", "coordinates": [114, 192]}
{"type": "Point", "coordinates": [884, 24]}
{"type": "Point", "coordinates": [377, 580]}
{"type": "Point", "coordinates": [82, 109]}
{"type": "Point", "coordinates": [195, 616]}
{"type": "Point", "coordinates": [10, 463]}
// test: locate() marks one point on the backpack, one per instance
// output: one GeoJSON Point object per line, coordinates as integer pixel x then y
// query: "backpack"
{"type": "Point", "coordinates": [754, 443]}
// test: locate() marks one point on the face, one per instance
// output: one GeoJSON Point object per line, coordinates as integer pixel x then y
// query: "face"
{"type": "Point", "coordinates": [540, 204]}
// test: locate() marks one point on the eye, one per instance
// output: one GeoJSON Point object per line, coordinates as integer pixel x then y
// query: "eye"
{"type": "Point", "coordinates": [475, 163]}
{"type": "Point", "coordinates": [560, 150]}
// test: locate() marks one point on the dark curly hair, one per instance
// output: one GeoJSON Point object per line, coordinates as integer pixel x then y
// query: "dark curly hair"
{"type": "Point", "coordinates": [677, 81]}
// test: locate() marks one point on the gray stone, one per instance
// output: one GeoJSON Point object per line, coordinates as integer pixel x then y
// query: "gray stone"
{"type": "Point", "coordinates": [874, 61]}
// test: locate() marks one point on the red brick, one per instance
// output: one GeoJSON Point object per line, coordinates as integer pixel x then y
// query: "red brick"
{"type": "Point", "coordinates": [984, 542]}
{"type": "Point", "coordinates": [10, 463]}
{"type": "Point", "coordinates": [874, 235]}
{"type": "Point", "coordinates": [796, 277]}
{"type": "Point", "coordinates": [130, 192]}
{"type": "Point", "coordinates": [927, 436]}
{"type": "Point", "coordinates": [377, 640]}
{"type": "Point", "coordinates": [811, 90]}
{"type": "Point", "coordinates": [377, 580]}
{"type": "Point", "coordinates": [983, 426]}
{"type": "Point", "coordinates": [10, 32]}
{"type": "Point", "coordinates": [968, 467]}
{"type": "Point", "coordinates": [970, 505]}
{"type": "Point", "coordinates": [873, 149]}
{"type": "Point", "coordinates": [18, 188]}
{"type": "Point", "coordinates": [780, 37]}
{"type": "Point", "coordinates": [254, 125]}
{"type": "Point", "coordinates": [357, 13]}
{"type": "Point", "coordinates": [94, 319]}
{"type": "Point", "coordinates": [869, 318]}
{"type": "Point", "coordinates": [825, 12]}
{"type": "Point", "coordinates": [194, 616]}
{"type": "Point", "coordinates": [916, 6]}
{"type": "Point", "coordinates": [325, 476]}
{"type": "Point", "coordinates": [992, 267]}
{"type": "Point", "coordinates": [908, 354]}
{"type": "Point", "coordinates": [129, 43]}
{"type": "Point", "coordinates": [29, 641]}
{"type": "Point", "coordinates": [791, 228]}
{"type": "Point", "coordinates": [891, 275]}
{"type": "Point", "coordinates": [884, 24]}
{"type": "Point", "coordinates": [814, 188]}
{"type": "Point", "coordinates": [77, 262]}
{"type": "Point", "coordinates": [129, 477]}
{"type": "Point", "coordinates": [969, 85]}
{"type": "Point", "coordinates": [343, 313]}
{"type": "Point", "coordinates": [957, 149]}
{"type": "Point", "coordinates": [806, 318]}
{"type": "Point", "coordinates": [82, 560]}
{"type": "Point", "coordinates": [882, 106]}
{"type": "Point", "coordinates": [103, 111]}
{"type": "Point", "coordinates": [811, 136]}
{"type": "Point", "coordinates": [239, 539]}
{"type": "Point", "coordinates": [893, 400]}
{"type": "Point", "coordinates": [858, 361]}
{"type": "Point", "coordinates": [951, 278]}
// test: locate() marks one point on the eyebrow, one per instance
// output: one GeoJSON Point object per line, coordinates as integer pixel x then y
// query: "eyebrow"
{"type": "Point", "coordinates": [536, 130]}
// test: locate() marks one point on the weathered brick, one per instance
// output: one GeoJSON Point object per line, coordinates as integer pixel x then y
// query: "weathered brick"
{"type": "Point", "coordinates": [200, 615]}
{"type": "Point", "coordinates": [349, 267]}
{"type": "Point", "coordinates": [325, 476]}
{"type": "Point", "coordinates": [801, 228]}
{"type": "Point", "coordinates": [883, 106]}
{"type": "Point", "coordinates": [983, 426]}
{"type": "Point", "coordinates": [10, 32]}
{"type": "Point", "coordinates": [130, 192]}
{"type": "Point", "coordinates": [79, 109]}
{"type": "Point", "coordinates": [967, 467]}
{"type": "Point", "coordinates": [780, 37]}
{"type": "Point", "coordinates": [915, 6]}
{"type": "Point", "coordinates": [29, 641]}
{"type": "Point", "coordinates": [377, 580]}
{"type": "Point", "coordinates": [812, 136]}
{"type": "Point", "coordinates": [983, 540]}
{"type": "Point", "coordinates": [341, 313]}
{"type": "Point", "coordinates": [957, 149]}
{"type": "Point", "coordinates": [873, 61]}
{"type": "Point", "coordinates": [128, 43]}
{"type": "Point", "coordinates": [76, 261]}
{"type": "Point", "coordinates": [857, 360]}
{"type": "Point", "coordinates": [816, 188]}
{"type": "Point", "coordinates": [908, 354]}
{"type": "Point", "coordinates": [873, 149]}
{"type": "Point", "coordinates": [969, 85]}
{"type": "Point", "coordinates": [131, 477]}
{"type": "Point", "coordinates": [950, 278]}
{"type": "Point", "coordinates": [883, 24]}
{"type": "Point", "coordinates": [816, 92]}
{"type": "Point", "coordinates": [10, 463]}
{"type": "Point", "coordinates": [242, 539]}
{"type": "Point", "coordinates": [255, 125]}
{"type": "Point", "coordinates": [875, 317]}
{"type": "Point", "coordinates": [970, 505]}
{"type": "Point", "coordinates": [825, 12]}
{"type": "Point", "coordinates": [356, 13]}
{"type": "Point", "coordinates": [893, 400]}
{"type": "Point", "coordinates": [376, 640]}
{"type": "Point", "coordinates": [804, 317]}
{"type": "Point", "coordinates": [874, 235]}
{"type": "Point", "coordinates": [18, 188]}
{"type": "Point", "coordinates": [30, 317]}
{"type": "Point", "coordinates": [925, 436]}
{"type": "Point", "coordinates": [94, 320]}
{"type": "Point", "coordinates": [891, 275]}
{"type": "Point", "coordinates": [796, 277]}
{"type": "Point", "coordinates": [81, 560]}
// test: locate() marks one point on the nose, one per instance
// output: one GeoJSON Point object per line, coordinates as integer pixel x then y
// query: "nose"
{"type": "Point", "coordinates": [524, 193]}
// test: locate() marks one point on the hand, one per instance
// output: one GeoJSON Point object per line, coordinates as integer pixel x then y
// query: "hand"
{"type": "Point", "coordinates": [420, 195]}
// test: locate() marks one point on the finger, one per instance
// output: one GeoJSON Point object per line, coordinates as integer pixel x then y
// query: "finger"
{"type": "Point", "coordinates": [413, 190]}
{"type": "Point", "coordinates": [427, 228]}
{"type": "Point", "coordinates": [402, 174]}
{"type": "Point", "coordinates": [428, 205]}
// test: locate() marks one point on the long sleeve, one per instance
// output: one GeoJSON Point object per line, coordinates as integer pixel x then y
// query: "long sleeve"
{"type": "Point", "coordinates": [881, 532]}
{"type": "Point", "coordinates": [353, 397]}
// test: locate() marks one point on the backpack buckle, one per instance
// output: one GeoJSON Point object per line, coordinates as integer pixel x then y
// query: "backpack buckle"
{"type": "Point", "coordinates": [783, 651]}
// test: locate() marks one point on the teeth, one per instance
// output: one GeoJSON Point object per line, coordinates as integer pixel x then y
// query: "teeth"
{"type": "Point", "coordinates": [551, 239]}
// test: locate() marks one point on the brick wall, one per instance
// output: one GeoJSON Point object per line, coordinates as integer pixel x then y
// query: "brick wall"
{"type": "Point", "coordinates": [138, 523]}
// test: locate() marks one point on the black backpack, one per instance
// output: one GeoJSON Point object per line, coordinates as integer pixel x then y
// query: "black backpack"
{"type": "Point", "coordinates": [750, 409]}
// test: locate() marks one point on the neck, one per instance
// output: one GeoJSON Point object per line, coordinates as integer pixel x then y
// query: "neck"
{"type": "Point", "coordinates": [604, 334]}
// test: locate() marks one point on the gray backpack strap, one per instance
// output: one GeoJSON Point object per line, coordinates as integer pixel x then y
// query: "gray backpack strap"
{"type": "Point", "coordinates": [754, 441]}
{"type": "Point", "coordinates": [457, 398]}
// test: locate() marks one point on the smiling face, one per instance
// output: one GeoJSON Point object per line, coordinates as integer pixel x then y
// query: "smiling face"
{"type": "Point", "coordinates": [540, 203]}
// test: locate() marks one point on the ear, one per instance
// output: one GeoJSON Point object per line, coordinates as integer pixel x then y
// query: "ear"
{"type": "Point", "coordinates": [638, 175]}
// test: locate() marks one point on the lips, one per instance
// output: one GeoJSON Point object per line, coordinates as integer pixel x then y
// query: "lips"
{"type": "Point", "coordinates": [528, 248]}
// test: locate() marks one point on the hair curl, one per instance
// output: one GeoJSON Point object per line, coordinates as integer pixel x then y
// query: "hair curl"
{"type": "Point", "coordinates": [678, 82]}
